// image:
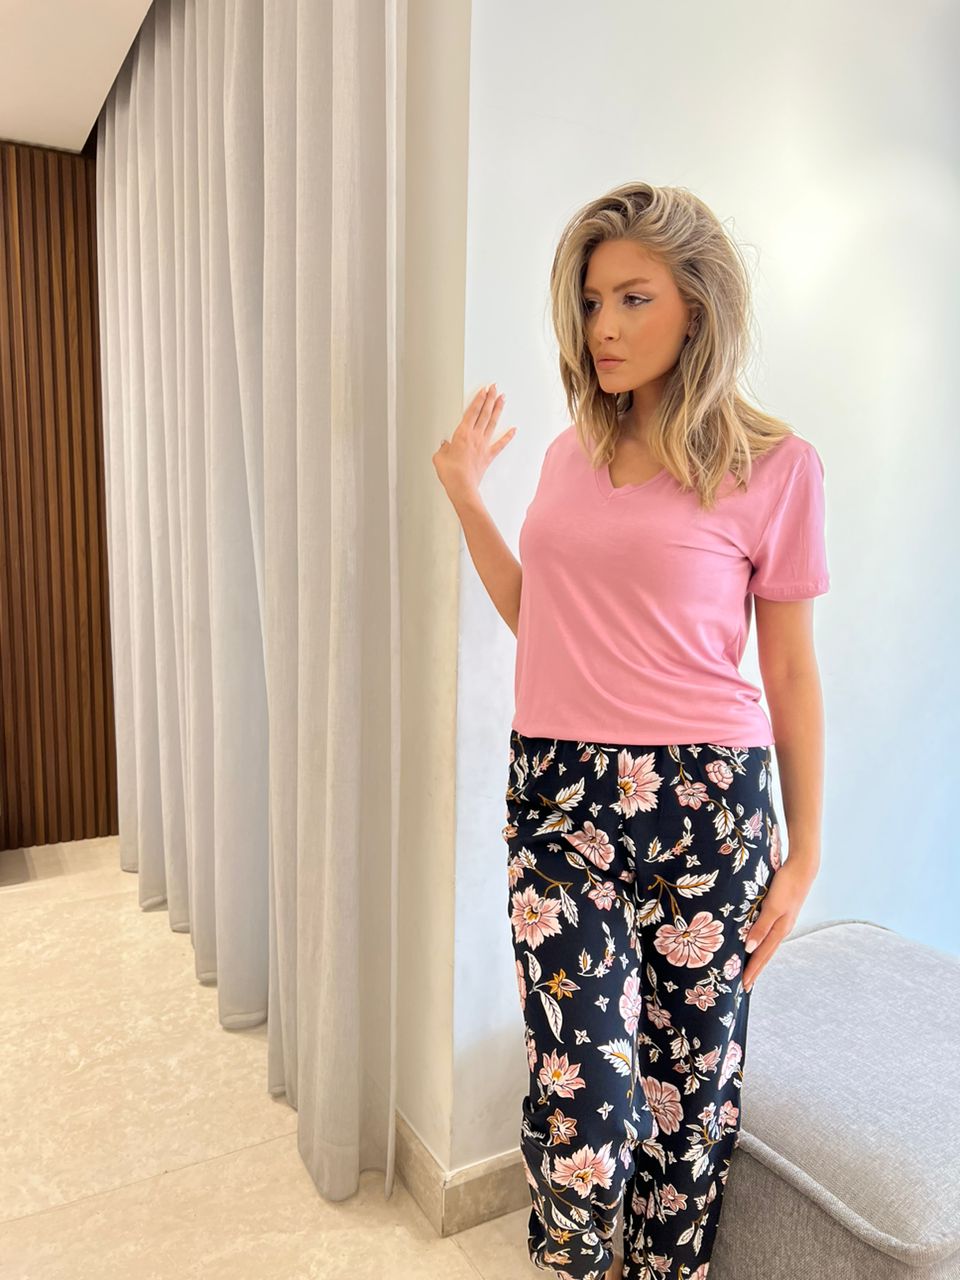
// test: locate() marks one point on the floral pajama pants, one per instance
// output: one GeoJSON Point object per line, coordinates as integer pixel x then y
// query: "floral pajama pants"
{"type": "Point", "coordinates": [634, 876]}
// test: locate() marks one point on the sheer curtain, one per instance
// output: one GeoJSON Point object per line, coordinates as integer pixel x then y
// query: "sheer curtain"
{"type": "Point", "coordinates": [248, 204]}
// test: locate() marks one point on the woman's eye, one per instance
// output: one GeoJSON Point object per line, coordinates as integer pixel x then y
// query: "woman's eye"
{"type": "Point", "coordinates": [626, 297]}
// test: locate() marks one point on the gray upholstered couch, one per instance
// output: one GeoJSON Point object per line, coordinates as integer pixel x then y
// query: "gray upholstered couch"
{"type": "Point", "coordinates": [848, 1162]}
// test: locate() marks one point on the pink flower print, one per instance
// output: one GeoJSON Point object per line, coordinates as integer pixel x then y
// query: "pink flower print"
{"type": "Point", "coordinates": [727, 1115]}
{"type": "Point", "coordinates": [584, 1170]}
{"type": "Point", "coordinates": [663, 1099]}
{"type": "Point", "coordinates": [631, 1003]}
{"type": "Point", "coordinates": [657, 1014]}
{"type": "Point", "coordinates": [731, 1061]}
{"type": "Point", "coordinates": [521, 985]}
{"type": "Point", "coordinates": [692, 945]}
{"type": "Point", "coordinates": [534, 918]}
{"type": "Point", "coordinates": [638, 782]}
{"type": "Point", "coordinates": [775, 848]}
{"type": "Point", "coordinates": [732, 967]}
{"type": "Point", "coordinates": [672, 1200]}
{"type": "Point", "coordinates": [604, 896]}
{"type": "Point", "coordinates": [562, 1128]}
{"type": "Point", "coordinates": [719, 773]}
{"type": "Point", "coordinates": [708, 1061]}
{"type": "Point", "coordinates": [558, 1075]}
{"type": "Point", "coordinates": [703, 997]}
{"type": "Point", "coordinates": [514, 866]}
{"type": "Point", "coordinates": [753, 825]}
{"type": "Point", "coordinates": [594, 844]}
{"type": "Point", "coordinates": [691, 794]}
{"type": "Point", "coordinates": [638, 1204]}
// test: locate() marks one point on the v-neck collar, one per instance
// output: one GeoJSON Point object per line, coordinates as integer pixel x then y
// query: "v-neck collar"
{"type": "Point", "coordinates": [610, 490]}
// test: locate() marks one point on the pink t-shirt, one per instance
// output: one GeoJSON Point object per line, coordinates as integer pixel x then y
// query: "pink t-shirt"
{"type": "Point", "coordinates": [636, 604]}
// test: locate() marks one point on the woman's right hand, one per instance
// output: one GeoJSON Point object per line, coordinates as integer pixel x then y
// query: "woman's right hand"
{"type": "Point", "coordinates": [461, 461]}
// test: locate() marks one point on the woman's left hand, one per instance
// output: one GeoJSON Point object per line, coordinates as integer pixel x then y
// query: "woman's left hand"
{"type": "Point", "coordinates": [781, 906]}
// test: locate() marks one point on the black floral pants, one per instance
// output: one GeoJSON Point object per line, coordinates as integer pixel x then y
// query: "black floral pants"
{"type": "Point", "coordinates": [634, 876]}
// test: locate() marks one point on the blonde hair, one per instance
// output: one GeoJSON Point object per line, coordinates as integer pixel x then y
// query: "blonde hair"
{"type": "Point", "coordinates": [703, 427]}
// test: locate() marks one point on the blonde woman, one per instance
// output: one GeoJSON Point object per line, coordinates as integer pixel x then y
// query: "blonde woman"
{"type": "Point", "coordinates": [646, 885]}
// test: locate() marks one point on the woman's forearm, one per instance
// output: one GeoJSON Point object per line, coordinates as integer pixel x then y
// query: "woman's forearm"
{"type": "Point", "coordinates": [496, 564]}
{"type": "Point", "coordinates": [796, 715]}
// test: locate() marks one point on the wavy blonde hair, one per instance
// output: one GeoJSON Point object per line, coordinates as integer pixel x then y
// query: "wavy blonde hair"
{"type": "Point", "coordinates": [703, 426]}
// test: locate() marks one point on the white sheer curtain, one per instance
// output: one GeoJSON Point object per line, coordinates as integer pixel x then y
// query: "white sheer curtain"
{"type": "Point", "coordinates": [248, 201]}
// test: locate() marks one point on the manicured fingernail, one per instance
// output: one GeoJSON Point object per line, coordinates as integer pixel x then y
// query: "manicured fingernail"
{"type": "Point", "coordinates": [751, 944]}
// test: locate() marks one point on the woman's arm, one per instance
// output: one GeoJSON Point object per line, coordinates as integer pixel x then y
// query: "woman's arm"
{"type": "Point", "coordinates": [496, 564]}
{"type": "Point", "coordinates": [796, 714]}
{"type": "Point", "coordinates": [791, 683]}
{"type": "Point", "coordinates": [461, 463]}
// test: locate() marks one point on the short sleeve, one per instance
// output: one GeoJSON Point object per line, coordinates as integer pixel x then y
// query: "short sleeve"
{"type": "Point", "coordinates": [790, 559]}
{"type": "Point", "coordinates": [545, 462]}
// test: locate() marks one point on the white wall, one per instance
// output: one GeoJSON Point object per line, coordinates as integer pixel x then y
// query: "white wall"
{"type": "Point", "coordinates": [434, 257]}
{"type": "Point", "coordinates": [825, 138]}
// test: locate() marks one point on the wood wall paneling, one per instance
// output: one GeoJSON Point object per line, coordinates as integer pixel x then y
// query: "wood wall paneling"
{"type": "Point", "coordinates": [58, 766]}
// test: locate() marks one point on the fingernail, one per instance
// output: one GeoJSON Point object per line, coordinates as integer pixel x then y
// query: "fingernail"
{"type": "Point", "coordinates": [751, 944]}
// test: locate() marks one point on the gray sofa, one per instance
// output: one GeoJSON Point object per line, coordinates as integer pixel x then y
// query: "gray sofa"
{"type": "Point", "coordinates": [848, 1160]}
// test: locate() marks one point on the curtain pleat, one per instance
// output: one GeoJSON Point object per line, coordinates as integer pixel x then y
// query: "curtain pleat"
{"type": "Point", "coordinates": [247, 189]}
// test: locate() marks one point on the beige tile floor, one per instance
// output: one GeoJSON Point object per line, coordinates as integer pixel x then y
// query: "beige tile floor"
{"type": "Point", "coordinates": [137, 1138]}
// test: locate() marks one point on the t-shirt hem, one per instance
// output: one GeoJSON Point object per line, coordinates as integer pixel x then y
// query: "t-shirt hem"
{"type": "Point", "coordinates": [799, 591]}
{"type": "Point", "coordinates": [568, 734]}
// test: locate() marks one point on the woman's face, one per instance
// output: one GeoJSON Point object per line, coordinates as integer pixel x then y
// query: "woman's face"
{"type": "Point", "coordinates": [633, 310]}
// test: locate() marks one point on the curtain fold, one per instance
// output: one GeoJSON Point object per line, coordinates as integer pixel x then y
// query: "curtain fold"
{"type": "Point", "coordinates": [248, 170]}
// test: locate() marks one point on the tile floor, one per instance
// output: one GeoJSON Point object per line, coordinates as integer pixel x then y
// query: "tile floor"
{"type": "Point", "coordinates": [136, 1135]}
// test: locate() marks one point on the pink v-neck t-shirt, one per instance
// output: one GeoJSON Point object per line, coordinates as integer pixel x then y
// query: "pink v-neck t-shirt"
{"type": "Point", "coordinates": [635, 604]}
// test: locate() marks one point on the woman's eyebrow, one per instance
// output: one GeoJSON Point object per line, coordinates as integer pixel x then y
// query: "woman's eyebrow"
{"type": "Point", "coordinates": [620, 287]}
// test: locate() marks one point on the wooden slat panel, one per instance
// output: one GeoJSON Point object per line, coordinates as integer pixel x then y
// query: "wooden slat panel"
{"type": "Point", "coordinates": [93, 459]}
{"type": "Point", "coordinates": [58, 772]}
{"type": "Point", "coordinates": [13, 685]}
{"type": "Point", "coordinates": [104, 727]}
{"type": "Point", "coordinates": [38, 320]}
{"type": "Point", "coordinates": [28, 799]}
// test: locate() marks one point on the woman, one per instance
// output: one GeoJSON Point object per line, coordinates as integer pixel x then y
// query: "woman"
{"type": "Point", "coordinates": [646, 886]}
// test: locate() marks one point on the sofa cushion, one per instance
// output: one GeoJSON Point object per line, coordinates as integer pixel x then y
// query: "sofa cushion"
{"type": "Point", "coordinates": [852, 1083]}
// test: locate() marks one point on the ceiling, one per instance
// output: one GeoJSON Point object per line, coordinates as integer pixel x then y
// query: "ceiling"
{"type": "Point", "coordinates": [58, 61]}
